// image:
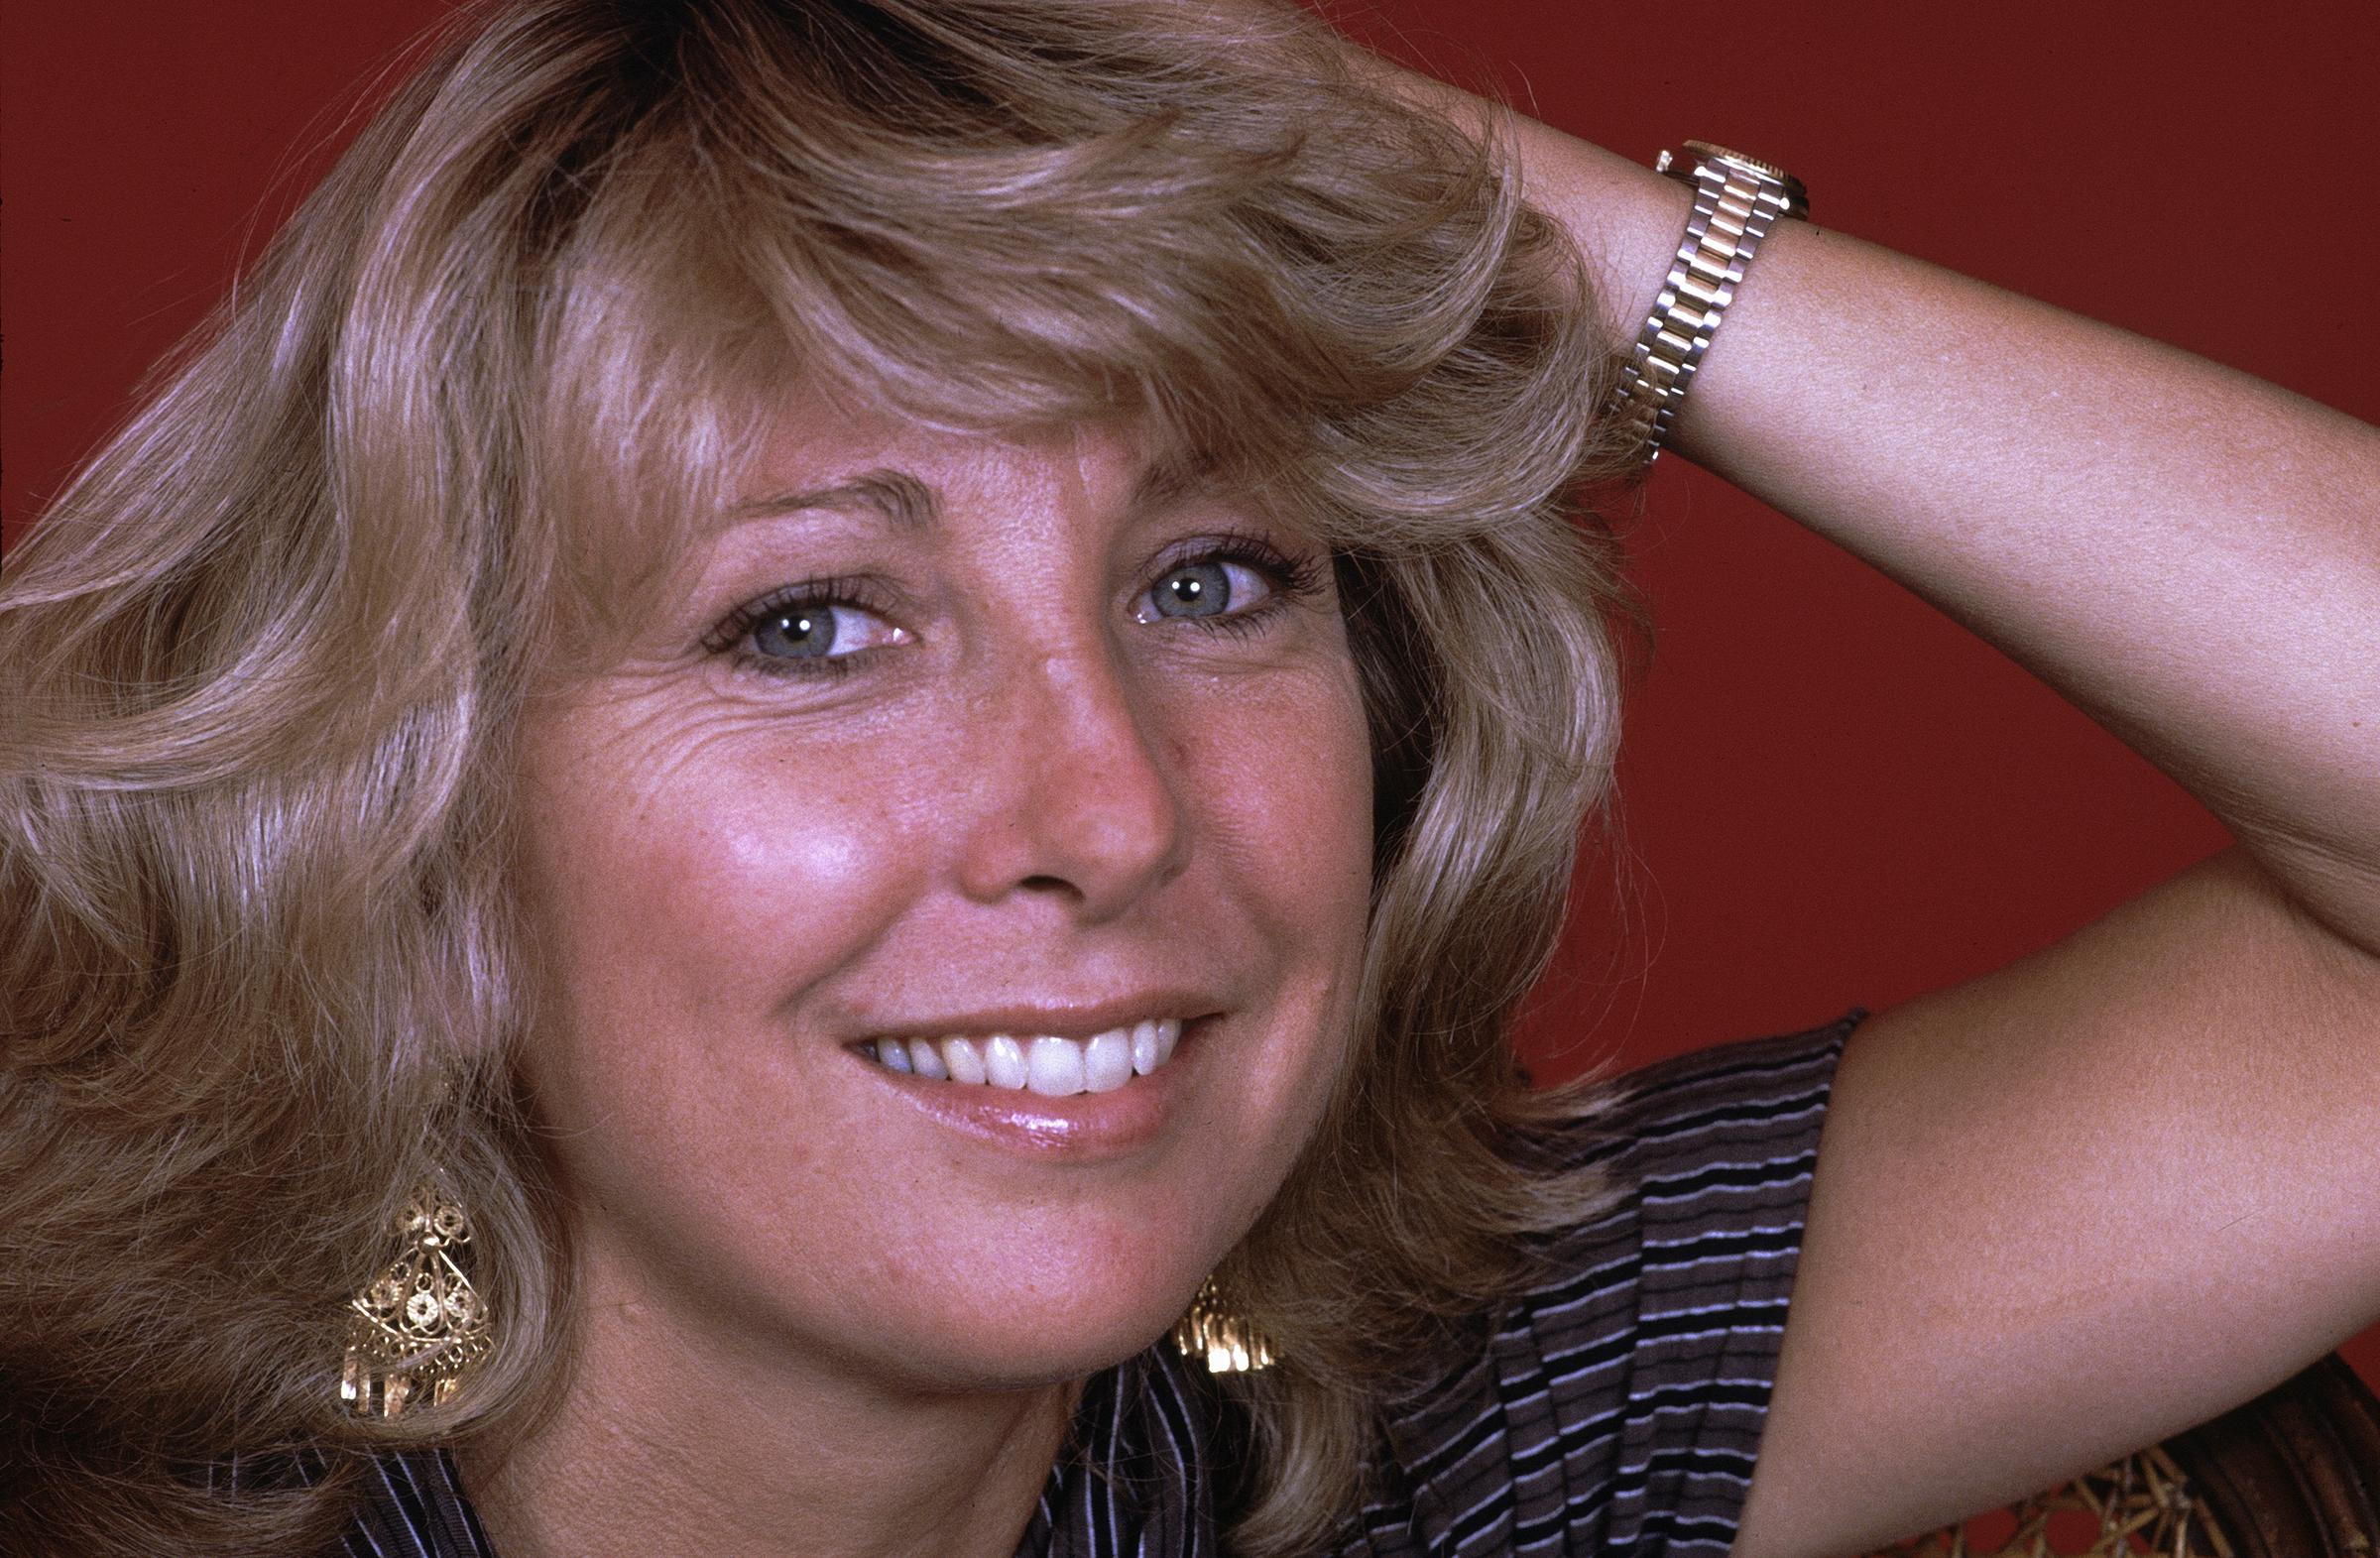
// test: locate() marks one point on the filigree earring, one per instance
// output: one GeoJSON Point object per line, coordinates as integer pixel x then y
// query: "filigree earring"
{"type": "Point", "coordinates": [419, 1329]}
{"type": "Point", "coordinates": [1225, 1341]}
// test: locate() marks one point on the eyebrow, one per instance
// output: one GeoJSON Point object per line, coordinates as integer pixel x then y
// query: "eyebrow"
{"type": "Point", "coordinates": [911, 505]}
{"type": "Point", "coordinates": [896, 495]}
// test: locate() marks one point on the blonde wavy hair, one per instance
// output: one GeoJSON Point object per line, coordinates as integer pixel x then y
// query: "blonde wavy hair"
{"type": "Point", "coordinates": [259, 665]}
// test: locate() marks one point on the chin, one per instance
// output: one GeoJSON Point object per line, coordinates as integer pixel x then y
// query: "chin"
{"type": "Point", "coordinates": [1020, 1358]}
{"type": "Point", "coordinates": [1019, 1342]}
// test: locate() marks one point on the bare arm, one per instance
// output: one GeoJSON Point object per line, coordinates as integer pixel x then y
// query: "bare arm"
{"type": "Point", "coordinates": [2029, 1182]}
{"type": "Point", "coordinates": [2189, 555]}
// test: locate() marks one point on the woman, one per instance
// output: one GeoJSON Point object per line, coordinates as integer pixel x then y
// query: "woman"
{"type": "Point", "coordinates": [736, 550]}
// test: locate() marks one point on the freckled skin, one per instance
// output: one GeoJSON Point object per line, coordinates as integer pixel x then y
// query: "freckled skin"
{"type": "Point", "coordinates": [1028, 795]}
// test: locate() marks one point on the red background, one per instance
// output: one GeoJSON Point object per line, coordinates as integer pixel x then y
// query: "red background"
{"type": "Point", "coordinates": [1833, 794]}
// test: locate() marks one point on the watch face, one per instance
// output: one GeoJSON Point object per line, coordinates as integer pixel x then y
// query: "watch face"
{"type": "Point", "coordinates": [1797, 199]}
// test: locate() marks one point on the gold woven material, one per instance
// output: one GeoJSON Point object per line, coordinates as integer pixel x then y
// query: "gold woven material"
{"type": "Point", "coordinates": [419, 1329]}
{"type": "Point", "coordinates": [1222, 1341]}
{"type": "Point", "coordinates": [2140, 1504]}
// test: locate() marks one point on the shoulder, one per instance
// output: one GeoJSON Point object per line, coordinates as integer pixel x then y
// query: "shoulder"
{"type": "Point", "coordinates": [1619, 1401]}
{"type": "Point", "coordinates": [1716, 1107]}
{"type": "Point", "coordinates": [411, 1504]}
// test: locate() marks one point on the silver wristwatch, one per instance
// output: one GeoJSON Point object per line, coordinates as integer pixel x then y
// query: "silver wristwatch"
{"type": "Point", "coordinates": [1736, 201]}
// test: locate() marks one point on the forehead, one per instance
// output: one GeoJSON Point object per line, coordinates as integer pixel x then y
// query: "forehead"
{"type": "Point", "coordinates": [809, 458]}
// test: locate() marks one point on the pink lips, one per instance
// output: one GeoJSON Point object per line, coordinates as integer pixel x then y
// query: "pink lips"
{"type": "Point", "coordinates": [1081, 1127]}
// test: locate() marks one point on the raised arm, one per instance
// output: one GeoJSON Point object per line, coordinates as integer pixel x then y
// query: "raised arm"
{"type": "Point", "coordinates": [2192, 558]}
{"type": "Point", "coordinates": [2189, 555]}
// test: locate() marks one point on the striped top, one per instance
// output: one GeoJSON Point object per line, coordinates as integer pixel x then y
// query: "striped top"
{"type": "Point", "coordinates": [1616, 1409]}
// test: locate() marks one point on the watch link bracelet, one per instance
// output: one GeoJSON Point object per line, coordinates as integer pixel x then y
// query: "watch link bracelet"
{"type": "Point", "coordinates": [1736, 201]}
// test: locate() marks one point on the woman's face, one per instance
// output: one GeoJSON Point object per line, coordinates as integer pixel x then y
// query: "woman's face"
{"type": "Point", "coordinates": [947, 739]}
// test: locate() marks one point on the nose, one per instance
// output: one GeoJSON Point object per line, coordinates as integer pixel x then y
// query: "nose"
{"type": "Point", "coordinates": [1084, 807]}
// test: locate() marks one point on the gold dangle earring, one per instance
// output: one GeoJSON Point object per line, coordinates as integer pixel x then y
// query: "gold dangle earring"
{"type": "Point", "coordinates": [420, 1327]}
{"type": "Point", "coordinates": [1225, 1341]}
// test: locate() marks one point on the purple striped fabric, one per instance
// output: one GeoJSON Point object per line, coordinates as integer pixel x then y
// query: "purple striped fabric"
{"type": "Point", "coordinates": [1617, 1409]}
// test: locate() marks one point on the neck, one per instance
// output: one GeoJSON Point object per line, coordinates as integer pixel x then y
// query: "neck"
{"type": "Point", "coordinates": [663, 1447]}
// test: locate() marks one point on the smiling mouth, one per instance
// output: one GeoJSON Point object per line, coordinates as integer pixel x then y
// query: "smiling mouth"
{"type": "Point", "coordinates": [1042, 1064]}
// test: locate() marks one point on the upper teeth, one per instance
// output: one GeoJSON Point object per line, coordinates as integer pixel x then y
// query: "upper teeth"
{"type": "Point", "coordinates": [1043, 1062]}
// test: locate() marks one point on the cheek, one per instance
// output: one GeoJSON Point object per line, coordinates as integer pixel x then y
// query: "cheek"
{"type": "Point", "coordinates": [1279, 782]}
{"type": "Point", "coordinates": [662, 869]}
{"type": "Point", "coordinates": [1282, 791]}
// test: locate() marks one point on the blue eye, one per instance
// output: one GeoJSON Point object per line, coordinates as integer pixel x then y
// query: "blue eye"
{"type": "Point", "coordinates": [802, 632]}
{"type": "Point", "coordinates": [1207, 587]}
{"type": "Point", "coordinates": [811, 627]}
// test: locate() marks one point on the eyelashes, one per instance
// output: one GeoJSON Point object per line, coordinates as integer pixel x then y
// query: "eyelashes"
{"type": "Point", "coordinates": [810, 615]}
{"type": "Point", "coordinates": [1287, 580]}
{"type": "Point", "coordinates": [812, 603]}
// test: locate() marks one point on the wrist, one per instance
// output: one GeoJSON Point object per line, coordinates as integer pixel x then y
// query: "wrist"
{"type": "Point", "coordinates": [1738, 201]}
{"type": "Point", "coordinates": [1623, 218]}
